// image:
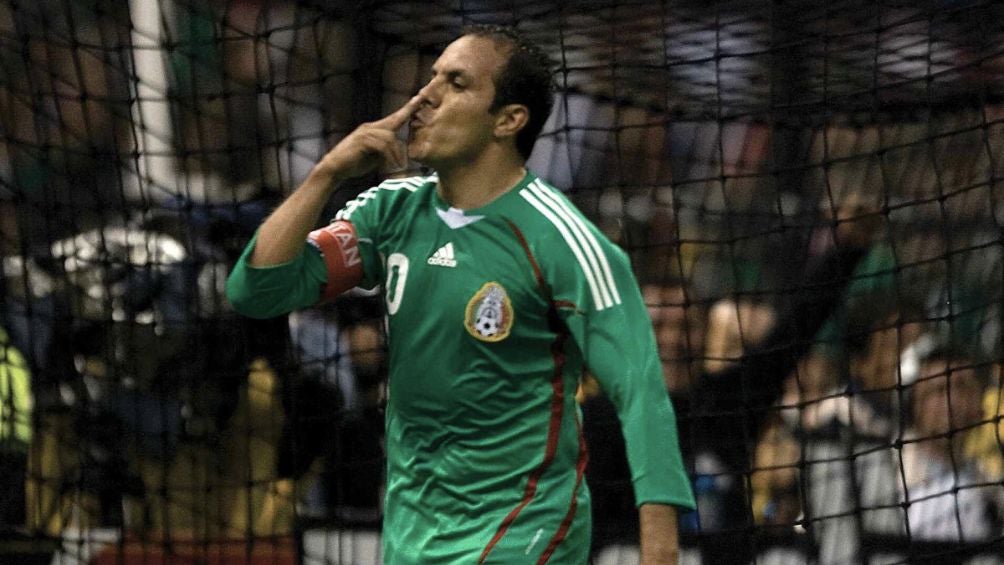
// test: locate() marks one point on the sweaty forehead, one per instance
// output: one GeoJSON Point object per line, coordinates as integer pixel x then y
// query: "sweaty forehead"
{"type": "Point", "coordinates": [472, 55]}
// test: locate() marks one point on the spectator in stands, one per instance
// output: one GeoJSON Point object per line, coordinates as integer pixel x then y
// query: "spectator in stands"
{"type": "Point", "coordinates": [774, 482]}
{"type": "Point", "coordinates": [949, 498]}
{"type": "Point", "coordinates": [734, 325]}
{"type": "Point", "coordinates": [355, 472]}
{"type": "Point", "coordinates": [679, 332]}
{"type": "Point", "coordinates": [721, 413]}
{"type": "Point", "coordinates": [63, 110]}
{"type": "Point", "coordinates": [776, 479]}
{"type": "Point", "coordinates": [333, 404]}
{"type": "Point", "coordinates": [842, 410]}
{"type": "Point", "coordinates": [866, 400]}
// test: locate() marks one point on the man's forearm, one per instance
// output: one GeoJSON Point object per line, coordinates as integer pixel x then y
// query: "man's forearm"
{"type": "Point", "coordinates": [660, 544]}
{"type": "Point", "coordinates": [281, 236]}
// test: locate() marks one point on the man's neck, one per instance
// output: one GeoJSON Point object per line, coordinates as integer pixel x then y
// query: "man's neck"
{"type": "Point", "coordinates": [475, 184]}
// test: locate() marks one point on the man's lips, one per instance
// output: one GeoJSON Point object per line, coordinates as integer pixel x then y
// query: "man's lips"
{"type": "Point", "coordinates": [417, 121]}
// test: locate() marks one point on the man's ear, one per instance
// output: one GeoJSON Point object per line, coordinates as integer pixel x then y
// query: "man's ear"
{"type": "Point", "coordinates": [510, 119]}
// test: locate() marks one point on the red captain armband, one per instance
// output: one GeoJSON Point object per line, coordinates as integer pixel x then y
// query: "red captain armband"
{"type": "Point", "coordinates": [339, 247]}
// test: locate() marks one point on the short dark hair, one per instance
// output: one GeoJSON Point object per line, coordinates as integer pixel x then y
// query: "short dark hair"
{"type": "Point", "coordinates": [525, 79]}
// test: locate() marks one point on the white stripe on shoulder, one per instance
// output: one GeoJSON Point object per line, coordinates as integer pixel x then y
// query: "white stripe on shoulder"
{"type": "Point", "coordinates": [607, 275]}
{"type": "Point", "coordinates": [411, 184]}
{"type": "Point", "coordinates": [579, 231]}
{"type": "Point", "coordinates": [572, 244]}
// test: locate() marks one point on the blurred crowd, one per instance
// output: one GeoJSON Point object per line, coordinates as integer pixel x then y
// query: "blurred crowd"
{"type": "Point", "coordinates": [829, 391]}
{"type": "Point", "coordinates": [133, 396]}
{"type": "Point", "coordinates": [884, 422]}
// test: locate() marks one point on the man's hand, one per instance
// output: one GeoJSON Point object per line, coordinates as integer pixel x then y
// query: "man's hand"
{"type": "Point", "coordinates": [660, 544]}
{"type": "Point", "coordinates": [371, 145]}
{"type": "Point", "coordinates": [281, 236]}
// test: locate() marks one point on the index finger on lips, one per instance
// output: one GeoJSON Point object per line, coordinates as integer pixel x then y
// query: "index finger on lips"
{"type": "Point", "coordinates": [399, 117]}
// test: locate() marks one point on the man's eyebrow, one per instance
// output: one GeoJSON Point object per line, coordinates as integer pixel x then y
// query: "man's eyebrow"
{"type": "Point", "coordinates": [452, 73]}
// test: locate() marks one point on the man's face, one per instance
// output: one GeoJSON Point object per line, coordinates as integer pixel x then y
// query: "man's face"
{"type": "Point", "coordinates": [455, 123]}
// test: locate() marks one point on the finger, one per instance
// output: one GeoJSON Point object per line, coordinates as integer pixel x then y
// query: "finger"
{"type": "Point", "coordinates": [398, 118]}
{"type": "Point", "coordinates": [399, 157]}
{"type": "Point", "coordinates": [383, 144]}
{"type": "Point", "coordinates": [383, 141]}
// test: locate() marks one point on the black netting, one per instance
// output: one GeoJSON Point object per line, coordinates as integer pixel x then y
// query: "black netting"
{"type": "Point", "coordinates": [834, 407]}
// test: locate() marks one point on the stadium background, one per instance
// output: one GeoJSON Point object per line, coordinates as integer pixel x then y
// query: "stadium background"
{"type": "Point", "coordinates": [141, 143]}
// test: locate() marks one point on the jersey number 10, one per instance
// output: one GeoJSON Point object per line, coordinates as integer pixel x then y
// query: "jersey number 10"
{"type": "Point", "coordinates": [397, 275]}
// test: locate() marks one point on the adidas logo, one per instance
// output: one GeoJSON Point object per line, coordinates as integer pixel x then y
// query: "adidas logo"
{"type": "Point", "coordinates": [443, 256]}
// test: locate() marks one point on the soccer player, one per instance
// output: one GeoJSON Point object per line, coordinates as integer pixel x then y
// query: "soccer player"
{"type": "Point", "coordinates": [498, 294]}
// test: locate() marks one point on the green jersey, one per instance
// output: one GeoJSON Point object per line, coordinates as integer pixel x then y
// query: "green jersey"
{"type": "Point", "coordinates": [493, 314]}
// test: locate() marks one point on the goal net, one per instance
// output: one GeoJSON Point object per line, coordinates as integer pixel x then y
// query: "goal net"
{"type": "Point", "coordinates": [807, 191]}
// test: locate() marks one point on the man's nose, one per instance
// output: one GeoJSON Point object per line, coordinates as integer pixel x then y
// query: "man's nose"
{"type": "Point", "coordinates": [430, 93]}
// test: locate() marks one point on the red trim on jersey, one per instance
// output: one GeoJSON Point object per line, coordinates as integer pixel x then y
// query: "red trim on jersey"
{"type": "Point", "coordinates": [536, 270]}
{"type": "Point", "coordinates": [339, 247]}
{"type": "Point", "coordinates": [566, 304]}
{"type": "Point", "coordinates": [553, 428]}
{"type": "Point", "coordinates": [529, 254]}
{"type": "Point", "coordinates": [580, 469]}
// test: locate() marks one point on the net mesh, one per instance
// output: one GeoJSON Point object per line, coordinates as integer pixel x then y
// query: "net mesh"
{"type": "Point", "coordinates": [726, 146]}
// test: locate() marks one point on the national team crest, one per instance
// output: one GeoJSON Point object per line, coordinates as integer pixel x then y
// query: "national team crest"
{"type": "Point", "coordinates": [489, 313]}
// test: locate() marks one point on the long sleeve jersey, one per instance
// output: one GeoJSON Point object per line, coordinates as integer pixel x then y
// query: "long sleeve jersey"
{"type": "Point", "coordinates": [492, 316]}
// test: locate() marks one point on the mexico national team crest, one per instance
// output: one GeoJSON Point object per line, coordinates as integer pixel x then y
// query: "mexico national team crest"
{"type": "Point", "coordinates": [489, 313]}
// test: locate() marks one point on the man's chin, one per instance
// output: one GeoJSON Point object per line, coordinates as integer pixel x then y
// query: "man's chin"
{"type": "Point", "coordinates": [423, 159]}
{"type": "Point", "coordinates": [418, 155]}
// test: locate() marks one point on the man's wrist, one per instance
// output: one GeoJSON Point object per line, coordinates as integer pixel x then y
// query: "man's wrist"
{"type": "Point", "coordinates": [659, 537]}
{"type": "Point", "coordinates": [326, 174]}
